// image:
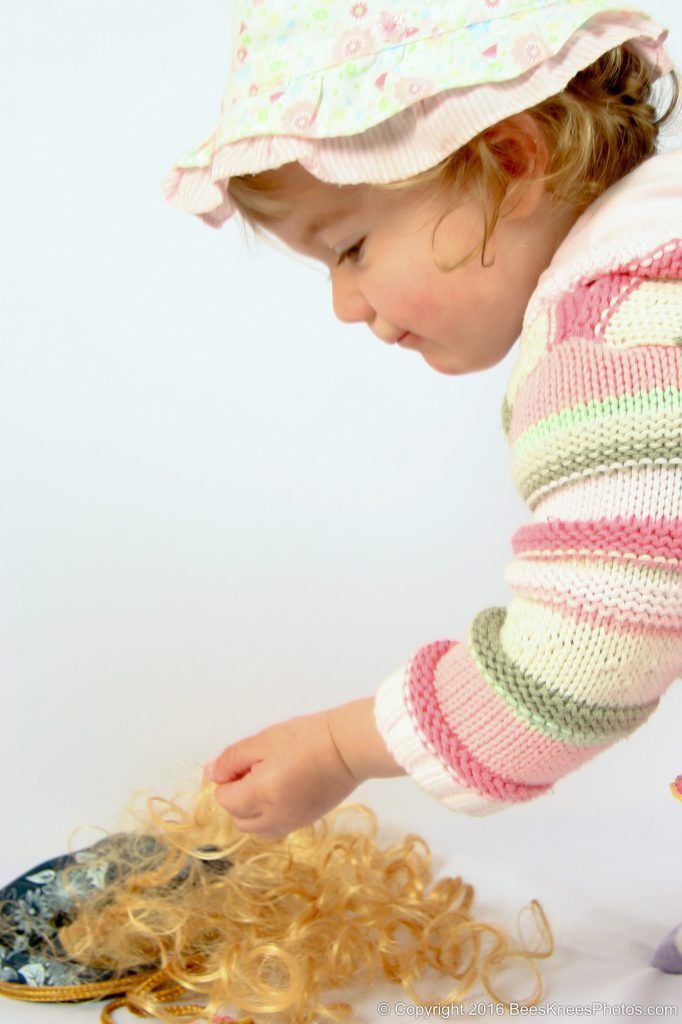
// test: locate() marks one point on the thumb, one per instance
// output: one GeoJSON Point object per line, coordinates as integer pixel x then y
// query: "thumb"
{"type": "Point", "coordinates": [234, 762]}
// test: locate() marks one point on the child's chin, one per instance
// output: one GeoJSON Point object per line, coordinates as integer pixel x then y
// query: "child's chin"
{"type": "Point", "coordinates": [449, 371]}
{"type": "Point", "coordinates": [442, 363]}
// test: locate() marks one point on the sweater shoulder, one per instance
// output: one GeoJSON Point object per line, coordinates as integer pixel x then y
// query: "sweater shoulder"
{"type": "Point", "coordinates": [597, 365]}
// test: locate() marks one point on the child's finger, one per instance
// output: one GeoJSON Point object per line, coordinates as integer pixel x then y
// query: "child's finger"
{"type": "Point", "coordinates": [234, 762]}
{"type": "Point", "coordinates": [239, 799]}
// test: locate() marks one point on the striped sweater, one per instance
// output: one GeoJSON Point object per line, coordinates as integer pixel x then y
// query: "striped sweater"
{"type": "Point", "coordinates": [592, 413]}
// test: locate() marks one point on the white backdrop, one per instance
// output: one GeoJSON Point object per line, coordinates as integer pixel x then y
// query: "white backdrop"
{"type": "Point", "coordinates": [221, 507]}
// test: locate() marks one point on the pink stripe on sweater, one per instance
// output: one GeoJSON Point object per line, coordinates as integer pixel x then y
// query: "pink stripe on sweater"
{"type": "Point", "coordinates": [656, 542]}
{"type": "Point", "coordinates": [493, 751]}
{"type": "Point", "coordinates": [584, 311]}
{"type": "Point", "coordinates": [591, 372]}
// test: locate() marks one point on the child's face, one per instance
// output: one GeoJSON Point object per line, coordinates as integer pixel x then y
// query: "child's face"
{"type": "Point", "coordinates": [459, 322]}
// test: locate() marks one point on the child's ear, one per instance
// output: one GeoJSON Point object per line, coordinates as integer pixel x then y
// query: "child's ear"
{"type": "Point", "coordinates": [520, 146]}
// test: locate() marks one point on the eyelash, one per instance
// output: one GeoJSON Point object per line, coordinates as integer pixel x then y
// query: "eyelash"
{"type": "Point", "coordinates": [345, 254]}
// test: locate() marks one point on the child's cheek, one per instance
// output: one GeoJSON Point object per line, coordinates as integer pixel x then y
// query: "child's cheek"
{"type": "Point", "coordinates": [414, 300]}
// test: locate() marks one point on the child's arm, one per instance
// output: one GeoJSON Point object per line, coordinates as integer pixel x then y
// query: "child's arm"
{"type": "Point", "coordinates": [359, 742]}
{"type": "Point", "coordinates": [291, 773]}
{"type": "Point", "coordinates": [581, 655]}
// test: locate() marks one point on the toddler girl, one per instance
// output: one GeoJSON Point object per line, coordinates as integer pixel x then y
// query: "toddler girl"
{"type": "Point", "coordinates": [473, 173]}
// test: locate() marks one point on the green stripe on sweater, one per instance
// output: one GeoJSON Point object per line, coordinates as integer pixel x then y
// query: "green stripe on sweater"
{"type": "Point", "coordinates": [553, 714]}
{"type": "Point", "coordinates": [665, 401]}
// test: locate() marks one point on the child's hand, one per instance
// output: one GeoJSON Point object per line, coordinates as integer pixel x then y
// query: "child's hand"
{"type": "Point", "coordinates": [282, 778]}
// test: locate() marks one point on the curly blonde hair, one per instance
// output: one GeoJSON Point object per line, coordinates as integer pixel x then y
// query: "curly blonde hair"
{"type": "Point", "coordinates": [269, 930]}
{"type": "Point", "coordinates": [601, 126]}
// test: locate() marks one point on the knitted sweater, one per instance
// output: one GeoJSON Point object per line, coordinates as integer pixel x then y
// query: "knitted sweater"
{"type": "Point", "coordinates": [592, 412]}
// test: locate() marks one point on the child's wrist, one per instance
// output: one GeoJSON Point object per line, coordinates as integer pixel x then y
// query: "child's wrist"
{"type": "Point", "coordinates": [359, 742]}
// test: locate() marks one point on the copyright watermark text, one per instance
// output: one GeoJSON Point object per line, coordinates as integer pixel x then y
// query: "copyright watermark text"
{"type": "Point", "coordinates": [551, 1009]}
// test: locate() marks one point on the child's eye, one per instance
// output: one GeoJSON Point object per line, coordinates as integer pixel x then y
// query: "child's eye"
{"type": "Point", "coordinates": [347, 253]}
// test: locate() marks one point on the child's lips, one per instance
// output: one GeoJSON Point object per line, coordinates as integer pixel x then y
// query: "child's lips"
{"type": "Point", "coordinates": [407, 338]}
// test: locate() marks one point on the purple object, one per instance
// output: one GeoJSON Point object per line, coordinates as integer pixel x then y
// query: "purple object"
{"type": "Point", "coordinates": [668, 954]}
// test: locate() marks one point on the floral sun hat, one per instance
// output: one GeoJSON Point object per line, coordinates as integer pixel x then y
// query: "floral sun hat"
{"type": "Point", "coordinates": [378, 90]}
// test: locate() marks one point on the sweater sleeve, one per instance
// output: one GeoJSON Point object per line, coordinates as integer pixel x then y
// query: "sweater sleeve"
{"type": "Point", "coordinates": [580, 656]}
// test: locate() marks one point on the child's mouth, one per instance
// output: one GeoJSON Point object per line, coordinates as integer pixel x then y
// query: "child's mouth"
{"type": "Point", "coordinates": [405, 338]}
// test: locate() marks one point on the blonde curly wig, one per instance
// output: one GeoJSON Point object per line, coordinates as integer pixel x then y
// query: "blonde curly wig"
{"type": "Point", "coordinates": [286, 928]}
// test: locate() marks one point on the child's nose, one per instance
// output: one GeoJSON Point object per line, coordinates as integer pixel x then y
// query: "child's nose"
{"type": "Point", "coordinates": [349, 304]}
